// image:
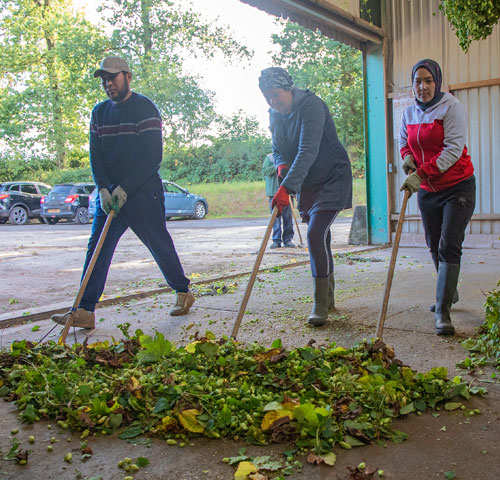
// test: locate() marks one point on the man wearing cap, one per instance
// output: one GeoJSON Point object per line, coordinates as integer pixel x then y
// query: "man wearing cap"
{"type": "Point", "coordinates": [125, 155]}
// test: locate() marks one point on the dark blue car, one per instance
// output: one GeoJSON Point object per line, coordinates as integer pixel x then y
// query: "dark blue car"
{"type": "Point", "coordinates": [178, 202]}
{"type": "Point", "coordinates": [68, 201]}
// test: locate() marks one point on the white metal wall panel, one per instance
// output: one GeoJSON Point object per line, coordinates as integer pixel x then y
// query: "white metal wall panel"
{"type": "Point", "coordinates": [420, 30]}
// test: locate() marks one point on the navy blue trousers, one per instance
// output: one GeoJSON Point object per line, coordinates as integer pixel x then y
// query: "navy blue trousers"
{"type": "Point", "coordinates": [445, 216]}
{"type": "Point", "coordinates": [319, 240]}
{"type": "Point", "coordinates": [287, 225]}
{"type": "Point", "coordinates": [144, 213]}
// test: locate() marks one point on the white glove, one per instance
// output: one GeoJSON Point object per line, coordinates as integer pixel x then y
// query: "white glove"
{"type": "Point", "coordinates": [120, 196]}
{"type": "Point", "coordinates": [105, 199]}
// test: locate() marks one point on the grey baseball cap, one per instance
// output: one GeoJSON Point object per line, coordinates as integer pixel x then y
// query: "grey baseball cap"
{"type": "Point", "coordinates": [112, 65]}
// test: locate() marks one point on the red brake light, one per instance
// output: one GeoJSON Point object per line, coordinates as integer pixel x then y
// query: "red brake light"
{"type": "Point", "coordinates": [4, 195]}
{"type": "Point", "coordinates": [42, 200]}
{"type": "Point", "coordinates": [71, 198]}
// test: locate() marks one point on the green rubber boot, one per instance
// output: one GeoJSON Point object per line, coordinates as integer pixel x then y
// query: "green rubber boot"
{"type": "Point", "coordinates": [445, 289]}
{"type": "Point", "coordinates": [319, 312]}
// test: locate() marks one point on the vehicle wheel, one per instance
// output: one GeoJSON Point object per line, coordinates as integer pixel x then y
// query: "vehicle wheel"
{"type": "Point", "coordinates": [82, 216]}
{"type": "Point", "coordinates": [199, 210]}
{"type": "Point", "coordinates": [18, 216]}
{"type": "Point", "coordinates": [3, 220]}
{"type": "Point", "coordinates": [50, 221]}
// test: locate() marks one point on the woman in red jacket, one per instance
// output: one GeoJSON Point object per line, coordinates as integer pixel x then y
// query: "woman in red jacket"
{"type": "Point", "coordinates": [432, 145]}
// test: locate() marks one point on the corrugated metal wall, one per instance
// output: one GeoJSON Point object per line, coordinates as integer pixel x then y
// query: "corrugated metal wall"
{"type": "Point", "coordinates": [419, 30]}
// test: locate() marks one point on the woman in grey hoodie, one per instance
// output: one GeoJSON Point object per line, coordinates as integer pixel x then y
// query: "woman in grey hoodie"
{"type": "Point", "coordinates": [312, 164]}
{"type": "Point", "coordinates": [440, 170]}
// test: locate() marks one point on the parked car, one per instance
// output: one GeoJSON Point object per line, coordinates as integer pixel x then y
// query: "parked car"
{"type": "Point", "coordinates": [178, 202]}
{"type": "Point", "coordinates": [92, 203]}
{"type": "Point", "coordinates": [69, 201]}
{"type": "Point", "coordinates": [20, 201]}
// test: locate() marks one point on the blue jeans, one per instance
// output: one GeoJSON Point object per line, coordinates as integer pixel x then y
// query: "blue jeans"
{"type": "Point", "coordinates": [144, 213]}
{"type": "Point", "coordinates": [445, 216]}
{"type": "Point", "coordinates": [319, 241]}
{"type": "Point", "coordinates": [287, 225]}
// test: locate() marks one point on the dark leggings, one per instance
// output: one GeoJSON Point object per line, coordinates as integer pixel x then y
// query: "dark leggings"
{"type": "Point", "coordinates": [319, 241]}
{"type": "Point", "coordinates": [445, 216]}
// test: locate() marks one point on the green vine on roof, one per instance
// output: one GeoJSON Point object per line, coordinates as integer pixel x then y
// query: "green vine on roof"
{"type": "Point", "coordinates": [471, 19]}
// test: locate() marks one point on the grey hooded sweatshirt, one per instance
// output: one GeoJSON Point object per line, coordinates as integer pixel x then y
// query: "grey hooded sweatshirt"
{"type": "Point", "coordinates": [306, 141]}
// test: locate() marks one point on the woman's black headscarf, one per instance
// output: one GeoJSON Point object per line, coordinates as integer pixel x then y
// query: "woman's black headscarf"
{"type": "Point", "coordinates": [435, 70]}
{"type": "Point", "coordinates": [275, 77]}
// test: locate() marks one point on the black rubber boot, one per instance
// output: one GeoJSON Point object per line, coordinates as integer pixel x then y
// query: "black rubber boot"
{"type": "Point", "coordinates": [445, 289]}
{"type": "Point", "coordinates": [432, 308]}
{"type": "Point", "coordinates": [319, 312]}
{"type": "Point", "coordinates": [331, 292]}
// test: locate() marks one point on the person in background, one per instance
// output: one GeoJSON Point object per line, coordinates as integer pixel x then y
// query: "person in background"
{"type": "Point", "coordinates": [269, 173]}
{"type": "Point", "coordinates": [311, 163]}
{"type": "Point", "coordinates": [125, 155]}
{"type": "Point", "coordinates": [439, 168]}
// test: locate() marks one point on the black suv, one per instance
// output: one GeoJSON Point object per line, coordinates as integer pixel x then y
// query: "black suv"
{"type": "Point", "coordinates": [67, 200]}
{"type": "Point", "coordinates": [20, 201]}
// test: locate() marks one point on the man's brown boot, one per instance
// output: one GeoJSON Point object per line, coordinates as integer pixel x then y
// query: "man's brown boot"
{"type": "Point", "coordinates": [81, 318]}
{"type": "Point", "coordinates": [183, 303]}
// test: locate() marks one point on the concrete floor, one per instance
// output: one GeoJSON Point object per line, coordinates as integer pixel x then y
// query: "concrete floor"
{"type": "Point", "coordinates": [278, 308]}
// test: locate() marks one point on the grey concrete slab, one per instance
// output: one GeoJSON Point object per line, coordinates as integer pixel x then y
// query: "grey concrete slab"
{"type": "Point", "coordinates": [278, 308]}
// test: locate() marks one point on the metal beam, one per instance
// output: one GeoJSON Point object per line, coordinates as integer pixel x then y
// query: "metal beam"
{"type": "Point", "coordinates": [332, 21]}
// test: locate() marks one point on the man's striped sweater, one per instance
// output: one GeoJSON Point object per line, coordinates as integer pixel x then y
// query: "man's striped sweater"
{"type": "Point", "coordinates": [126, 144]}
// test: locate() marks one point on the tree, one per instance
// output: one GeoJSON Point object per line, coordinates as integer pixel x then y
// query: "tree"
{"type": "Point", "coordinates": [471, 19]}
{"type": "Point", "coordinates": [155, 36]}
{"type": "Point", "coordinates": [46, 86]}
{"type": "Point", "coordinates": [234, 153]}
{"type": "Point", "coordinates": [331, 70]}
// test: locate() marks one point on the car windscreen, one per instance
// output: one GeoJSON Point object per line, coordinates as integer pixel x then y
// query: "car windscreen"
{"type": "Point", "coordinates": [62, 189]}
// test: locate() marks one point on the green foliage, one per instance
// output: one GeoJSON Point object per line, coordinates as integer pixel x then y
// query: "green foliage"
{"type": "Point", "coordinates": [154, 348]}
{"type": "Point", "coordinates": [236, 153]}
{"type": "Point", "coordinates": [486, 347]}
{"type": "Point", "coordinates": [49, 53]}
{"type": "Point", "coordinates": [331, 70]}
{"type": "Point", "coordinates": [471, 19]}
{"type": "Point", "coordinates": [16, 167]}
{"type": "Point", "coordinates": [315, 397]}
{"type": "Point", "coordinates": [155, 36]}
{"type": "Point", "coordinates": [67, 175]}
{"type": "Point", "coordinates": [46, 91]}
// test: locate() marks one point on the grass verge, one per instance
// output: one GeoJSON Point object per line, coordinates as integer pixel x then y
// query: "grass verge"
{"type": "Point", "coordinates": [248, 199]}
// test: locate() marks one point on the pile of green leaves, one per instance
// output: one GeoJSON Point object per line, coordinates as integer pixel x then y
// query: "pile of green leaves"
{"type": "Point", "coordinates": [316, 397]}
{"type": "Point", "coordinates": [486, 347]}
